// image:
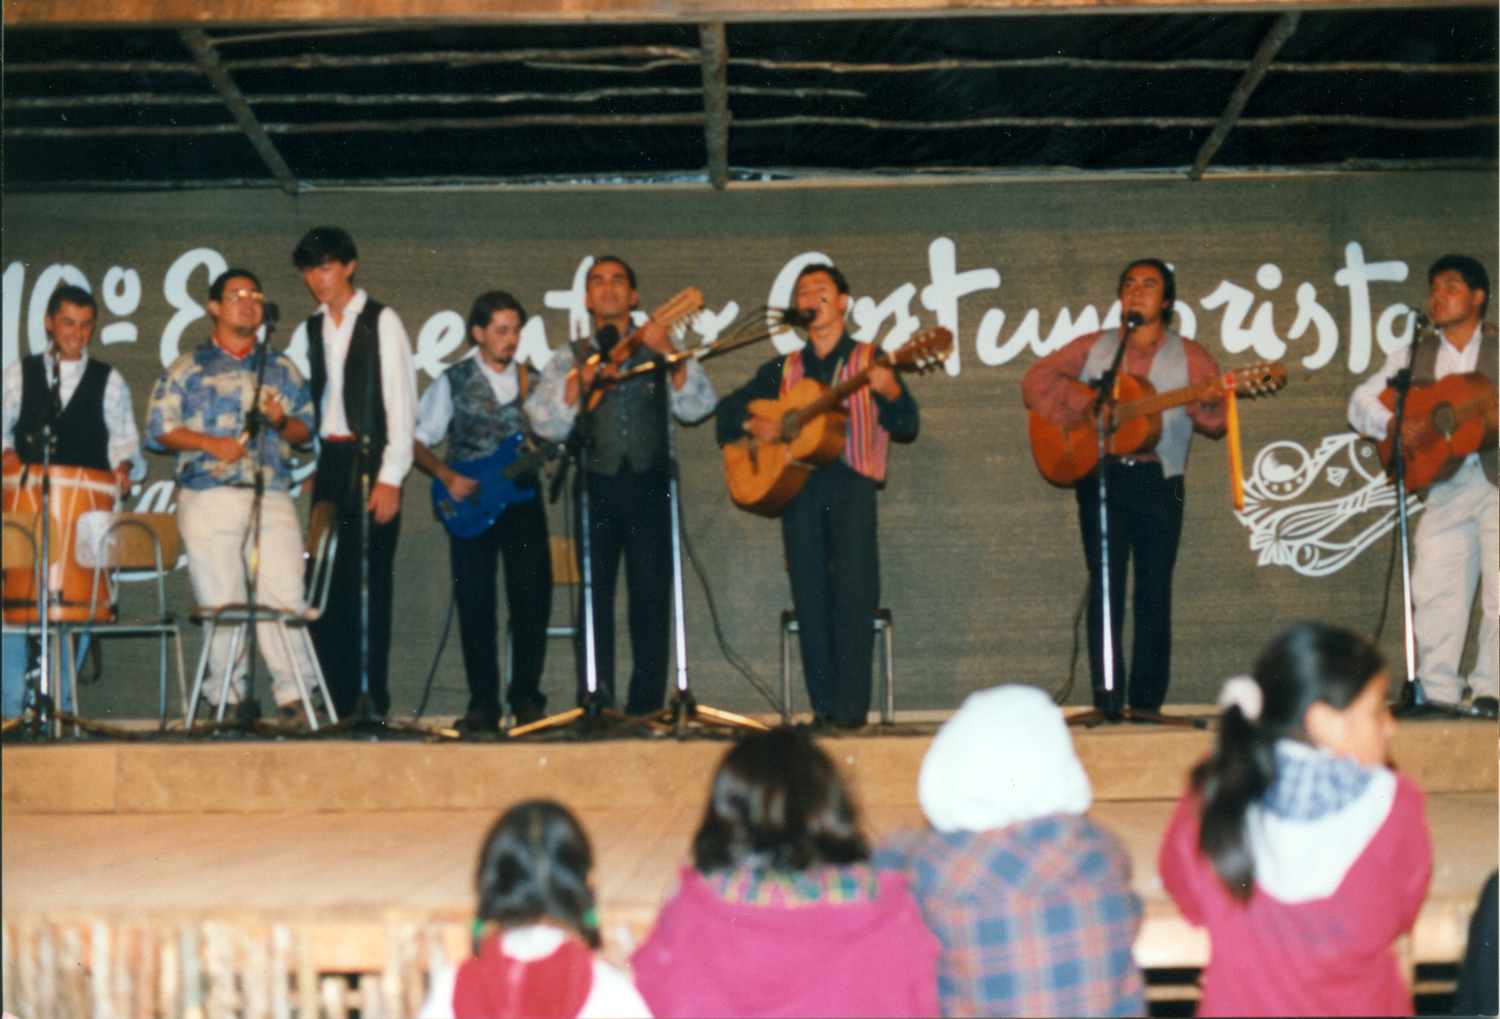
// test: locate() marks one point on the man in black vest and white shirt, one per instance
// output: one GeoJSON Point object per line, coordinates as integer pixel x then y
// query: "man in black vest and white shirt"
{"type": "Point", "coordinates": [1146, 489]}
{"type": "Point", "coordinates": [1455, 540]}
{"type": "Point", "coordinates": [94, 424]}
{"type": "Point", "coordinates": [476, 405]}
{"type": "Point", "coordinates": [365, 393]}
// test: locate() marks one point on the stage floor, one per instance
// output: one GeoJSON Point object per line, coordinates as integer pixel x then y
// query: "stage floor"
{"type": "Point", "coordinates": [346, 844]}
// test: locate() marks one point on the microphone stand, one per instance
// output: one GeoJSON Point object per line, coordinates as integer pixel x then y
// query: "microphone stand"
{"type": "Point", "coordinates": [364, 717]}
{"type": "Point", "coordinates": [1104, 413]}
{"type": "Point", "coordinates": [684, 708]}
{"type": "Point", "coordinates": [44, 721]}
{"type": "Point", "coordinates": [364, 720]}
{"type": "Point", "coordinates": [255, 427]}
{"type": "Point", "coordinates": [580, 439]}
{"type": "Point", "coordinates": [1413, 701]}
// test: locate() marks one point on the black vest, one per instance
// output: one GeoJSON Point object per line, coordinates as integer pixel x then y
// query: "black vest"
{"type": "Point", "coordinates": [82, 435]}
{"type": "Point", "coordinates": [630, 423]}
{"type": "Point", "coordinates": [363, 397]}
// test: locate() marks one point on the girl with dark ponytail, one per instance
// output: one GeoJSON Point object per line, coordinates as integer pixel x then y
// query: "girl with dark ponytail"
{"type": "Point", "coordinates": [536, 932]}
{"type": "Point", "coordinates": [1297, 846]}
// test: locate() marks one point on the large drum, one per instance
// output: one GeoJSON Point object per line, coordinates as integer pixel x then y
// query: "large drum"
{"type": "Point", "coordinates": [75, 492]}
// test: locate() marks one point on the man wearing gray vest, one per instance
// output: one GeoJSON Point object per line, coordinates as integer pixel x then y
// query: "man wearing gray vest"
{"type": "Point", "coordinates": [1145, 489]}
{"type": "Point", "coordinates": [624, 465]}
{"type": "Point", "coordinates": [364, 391]}
{"type": "Point", "coordinates": [476, 404]}
{"type": "Point", "coordinates": [1455, 540]}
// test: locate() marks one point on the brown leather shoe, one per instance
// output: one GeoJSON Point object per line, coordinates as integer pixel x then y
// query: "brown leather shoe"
{"type": "Point", "coordinates": [293, 716]}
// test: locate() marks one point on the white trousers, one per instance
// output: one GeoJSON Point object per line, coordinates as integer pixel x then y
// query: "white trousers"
{"type": "Point", "coordinates": [215, 528]}
{"type": "Point", "coordinates": [1455, 549]}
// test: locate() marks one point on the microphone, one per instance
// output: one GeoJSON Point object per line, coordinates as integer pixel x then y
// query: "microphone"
{"type": "Point", "coordinates": [798, 317]}
{"type": "Point", "coordinates": [53, 361]}
{"type": "Point", "coordinates": [1133, 321]}
{"type": "Point", "coordinates": [272, 315]}
{"type": "Point", "coordinates": [607, 336]}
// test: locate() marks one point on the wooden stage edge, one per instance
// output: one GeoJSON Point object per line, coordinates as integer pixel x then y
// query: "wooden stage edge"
{"type": "Point", "coordinates": [211, 775]}
{"type": "Point", "coordinates": [320, 876]}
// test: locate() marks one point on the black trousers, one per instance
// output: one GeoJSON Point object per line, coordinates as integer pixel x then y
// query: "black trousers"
{"type": "Point", "coordinates": [833, 562]}
{"type": "Point", "coordinates": [1145, 524]}
{"type": "Point", "coordinates": [519, 538]}
{"type": "Point", "coordinates": [629, 516]}
{"type": "Point", "coordinates": [336, 634]}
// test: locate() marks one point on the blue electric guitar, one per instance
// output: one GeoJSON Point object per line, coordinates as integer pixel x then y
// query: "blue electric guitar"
{"type": "Point", "coordinates": [496, 474]}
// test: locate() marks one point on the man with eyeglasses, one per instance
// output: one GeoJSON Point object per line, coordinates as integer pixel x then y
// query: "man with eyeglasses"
{"type": "Point", "coordinates": [201, 411]}
{"type": "Point", "coordinates": [93, 425]}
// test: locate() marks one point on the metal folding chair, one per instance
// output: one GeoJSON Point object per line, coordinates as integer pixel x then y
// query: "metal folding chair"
{"type": "Point", "coordinates": [322, 543]}
{"type": "Point", "coordinates": [884, 628]}
{"type": "Point", "coordinates": [131, 541]}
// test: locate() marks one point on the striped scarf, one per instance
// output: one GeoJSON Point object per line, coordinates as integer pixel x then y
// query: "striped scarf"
{"type": "Point", "coordinates": [866, 445]}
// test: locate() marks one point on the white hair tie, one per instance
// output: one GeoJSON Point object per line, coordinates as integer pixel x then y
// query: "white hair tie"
{"type": "Point", "coordinates": [1244, 693]}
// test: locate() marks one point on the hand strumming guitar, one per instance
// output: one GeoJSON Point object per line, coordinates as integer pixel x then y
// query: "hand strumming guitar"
{"type": "Point", "coordinates": [458, 486]}
{"type": "Point", "coordinates": [764, 430]}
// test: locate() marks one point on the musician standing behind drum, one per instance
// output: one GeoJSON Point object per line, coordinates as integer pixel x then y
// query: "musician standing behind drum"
{"type": "Point", "coordinates": [1145, 489]}
{"type": "Point", "coordinates": [476, 404]}
{"type": "Point", "coordinates": [200, 411]}
{"type": "Point", "coordinates": [625, 469]}
{"type": "Point", "coordinates": [829, 527]}
{"type": "Point", "coordinates": [1455, 541]}
{"type": "Point", "coordinates": [94, 423]}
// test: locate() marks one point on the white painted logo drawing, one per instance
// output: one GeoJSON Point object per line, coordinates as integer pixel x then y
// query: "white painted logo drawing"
{"type": "Point", "coordinates": [1315, 512]}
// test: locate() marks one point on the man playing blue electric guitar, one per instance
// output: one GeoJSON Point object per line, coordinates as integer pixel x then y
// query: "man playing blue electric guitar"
{"type": "Point", "coordinates": [476, 406]}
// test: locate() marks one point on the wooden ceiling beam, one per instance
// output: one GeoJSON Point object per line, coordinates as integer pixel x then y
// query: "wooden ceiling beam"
{"type": "Point", "coordinates": [715, 55]}
{"type": "Point", "coordinates": [1280, 32]}
{"type": "Point", "coordinates": [415, 13]}
{"type": "Point", "coordinates": [208, 59]}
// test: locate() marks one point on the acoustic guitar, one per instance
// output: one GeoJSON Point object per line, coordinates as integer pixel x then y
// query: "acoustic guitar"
{"type": "Point", "coordinates": [1451, 418]}
{"type": "Point", "coordinates": [687, 303]}
{"type": "Point", "coordinates": [1065, 455]}
{"type": "Point", "coordinates": [763, 477]}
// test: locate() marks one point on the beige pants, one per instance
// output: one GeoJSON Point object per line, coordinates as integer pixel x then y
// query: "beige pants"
{"type": "Point", "coordinates": [1455, 554]}
{"type": "Point", "coordinates": [215, 528]}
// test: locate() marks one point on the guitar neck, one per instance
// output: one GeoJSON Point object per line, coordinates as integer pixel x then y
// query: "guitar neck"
{"type": "Point", "coordinates": [1158, 402]}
